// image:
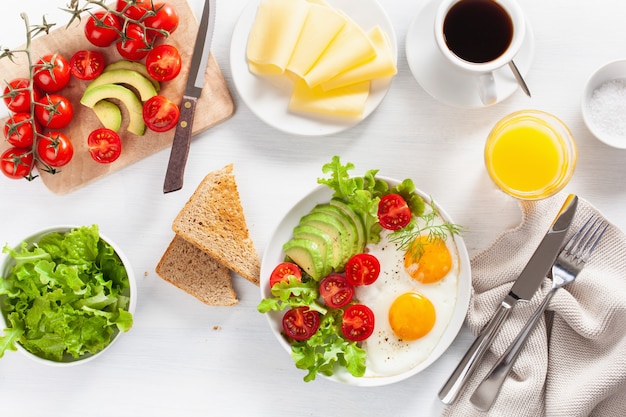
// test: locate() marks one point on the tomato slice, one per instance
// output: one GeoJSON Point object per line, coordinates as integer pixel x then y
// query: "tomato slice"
{"type": "Point", "coordinates": [17, 163]}
{"type": "Point", "coordinates": [163, 63]}
{"type": "Point", "coordinates": [393, 212]}
{"type": "Point", "coordinates": [362, 269]}
{"type": "Point", "coordinates": [301, 323]}
{"type": "Point", "coordinates": [87, 65]}
{"type": "Point", "coordinates": [104, 145]}
{"type": "Point", "coordinates": [283, 271]}
{"type": "Point", "coordinates": [160, 114]}
{"type": "Point", "coordinates": [357, 322]}
{"type": "Point", "coordinates": [336, 291]}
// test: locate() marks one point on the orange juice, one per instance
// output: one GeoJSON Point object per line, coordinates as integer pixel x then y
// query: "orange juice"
{"type": "Point", "coordinates": [530, 154]}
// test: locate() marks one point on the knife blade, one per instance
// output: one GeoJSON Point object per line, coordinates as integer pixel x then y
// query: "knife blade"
{"type": "Point", "coordinates": [174, 175]}
{"type": "Point", "coordinates": [522, 290]}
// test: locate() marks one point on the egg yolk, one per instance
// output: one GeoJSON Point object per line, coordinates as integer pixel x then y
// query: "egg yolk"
{"type": "Point", "coordinates": [427, 260]}
{"type": "Point", "coordinates": [411, 316]}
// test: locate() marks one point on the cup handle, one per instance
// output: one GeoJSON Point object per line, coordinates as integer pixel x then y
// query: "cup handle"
{"type": "Point", "coordinates": [487, 89]}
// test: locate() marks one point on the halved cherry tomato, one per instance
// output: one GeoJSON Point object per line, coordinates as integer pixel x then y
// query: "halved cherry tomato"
{"type": "Point", "coordinates": [87, 65]}
{"type": "Point", "coordinates": [54, 111]}
{"type": "Point", "coordinates": [393, 212]}
{"type": "Point", "coordinates": [105, 145]}
{"type": "Point", "coordinates": [19, 130]}
{"type": "Point", "coordinates": [55, 149]}
{"type": "Point", "coordinates": [133, 46]}
{"type": "Point", "coordinates": [301, 323]}
{"type": "Point", "coordinates": [357, 322]}
{"type": "Point", "coordinates": [362, 269]}
{"type": "Point", "coordinates": [336, 291]}
{"type": "Point", "coordinates": [52, 73]}
{"type": "Point", "coordinates": [163, 63]}
{"type": "Point", "coordinates": [166, 18]}
{"type": "Point", "coordinates": [283, 271]}
{"type": "Point", "coordinates": [17, 95]}
{"type": "Point", "coordinates": [160, 114]}
{"type": "Point", "coordinates": [16, 163]}
{"type": "Point", "coordinates": [102, 28]}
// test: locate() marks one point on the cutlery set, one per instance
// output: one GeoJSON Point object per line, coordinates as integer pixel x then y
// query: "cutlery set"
{"type": "Point", "coordinates": [563, 266]}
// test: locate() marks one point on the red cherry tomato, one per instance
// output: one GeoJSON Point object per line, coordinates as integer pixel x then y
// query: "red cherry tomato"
{"type": "Point", "coordinates": [166, 18]}
{"type": "Point", "coordinates": [160, 114]}
{"type": "Point", "coordinates": [393, 212]}
{"type": "Point", "coordinates": [17, 95]}
{"type": "Point", "coordinates": [362, 269]}
{"type": "Point", "coordinates": [19, 130]}
{"type": "Point", "coordinates": [301, 323]}
{"type": "Point", "coordinates": [102, 29]}
{"type": "Point", "coordinates": [52, 73]}
{"type": "Point", "coordinates": [283, 271]}
{"type": "Point", "coordinates": [336, 291]}
{"type": "Point", "coordinates": [16, 163]}
{"type": "Point", "coordinates": [87, 65]}
{"type": "Point", "coordinates": [55, 149]}
{"type": "Point", "coordinates": [104, 145]}
{"type": "Point", "coordinates": [136, 11]}
{"type": "Point", "coordinates": [357, 322]}
{"type": "Point", "coordinates": [163, 63]}
{"type": "Point", "coordinates": [54, 111]}
{"type": "Point", "coordinates": [133, 45]}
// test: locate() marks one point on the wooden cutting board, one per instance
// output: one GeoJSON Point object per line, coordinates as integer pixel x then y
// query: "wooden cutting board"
{"type": "Point", "coordinates": [214, 106]}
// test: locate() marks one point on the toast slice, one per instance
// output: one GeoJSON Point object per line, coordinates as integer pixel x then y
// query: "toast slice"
{"type": "Point", "coordinates": [214, 221]}
{"type": "Point", "coordinates": [195, 272]}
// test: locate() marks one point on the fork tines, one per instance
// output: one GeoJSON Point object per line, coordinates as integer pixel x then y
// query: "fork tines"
{"type": "Point", "coordinates": [584, 241]}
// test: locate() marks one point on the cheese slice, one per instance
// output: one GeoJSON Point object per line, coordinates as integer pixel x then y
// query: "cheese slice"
{"type": "Point", "coordinates": [383, 65]}
{"type": "Point", "coordinates": [350, 48]}
{"type": "Point", "coordinates": [274, 34]}
{"type": "Point", "coordinates": [320, 28]}
{"type": "Point", "coordinates": [343, 102]}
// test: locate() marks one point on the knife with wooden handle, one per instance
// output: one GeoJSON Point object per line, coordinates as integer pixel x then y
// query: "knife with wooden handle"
{"type": "Point", "coordinates": [182, 135]}
{"type": "Point", "coordinates": [522, 290]}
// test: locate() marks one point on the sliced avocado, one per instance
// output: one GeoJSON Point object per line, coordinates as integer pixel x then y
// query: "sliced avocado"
{"type": "Point", "coordinates": [141, 84]}
{"type": "Point", "coordinates": [133, 66]}
{"type": "Point", "coordinates": [336, 230]}
{"type": "Point", "coordinates": [109, 114]}
{"type": "Point", "coordinates": [348, 222]}
{"type": "Point", "coordinates": [357, 219]}
{"type": "Point", "coordinates": [306, 254]}
{"type": "Point", "coordinates": [136, 124]}
{"type": "Point", "coordinates": [323, 241]}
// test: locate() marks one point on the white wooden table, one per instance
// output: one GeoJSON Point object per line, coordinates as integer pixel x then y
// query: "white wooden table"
{"type": "Point", "coordinates": [185, 358]}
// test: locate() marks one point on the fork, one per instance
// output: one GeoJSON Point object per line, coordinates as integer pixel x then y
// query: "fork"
{"type": "Point", "coordinates": [566, 268]}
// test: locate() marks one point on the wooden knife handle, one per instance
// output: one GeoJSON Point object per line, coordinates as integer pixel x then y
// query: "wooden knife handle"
{"type": "Point", "coordinates": [180, 146]}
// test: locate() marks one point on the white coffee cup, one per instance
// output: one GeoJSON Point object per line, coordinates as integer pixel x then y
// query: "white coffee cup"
{"type": "Point", "coordinates": [503, 27]}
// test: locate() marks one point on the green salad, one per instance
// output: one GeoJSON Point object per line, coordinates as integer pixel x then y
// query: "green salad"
{"type": "Point", "coordinates": [65, 295]}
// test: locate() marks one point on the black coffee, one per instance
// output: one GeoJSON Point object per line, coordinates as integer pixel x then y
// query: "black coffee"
{"type": "Point", "coordinates": [478, 30]}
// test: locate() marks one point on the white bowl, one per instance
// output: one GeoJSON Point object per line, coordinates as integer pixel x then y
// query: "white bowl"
{"type": "Point", "coordinates": [6, 263]}
{"type": "Point", "coordinates": [603, 112]}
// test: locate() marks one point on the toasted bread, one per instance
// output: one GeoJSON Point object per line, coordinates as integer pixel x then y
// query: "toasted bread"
{"type": "Point", "coordinates": [195, 272]}
{"type": "Point", "coordinates": [214, 221]}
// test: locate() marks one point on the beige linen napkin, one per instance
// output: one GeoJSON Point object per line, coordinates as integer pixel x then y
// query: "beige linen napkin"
{"type": "Point", "coordinates": [574, 362]}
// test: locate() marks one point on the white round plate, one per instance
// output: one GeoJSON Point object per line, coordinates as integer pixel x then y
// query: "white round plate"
{"type": "Point", "coordinates": [274, 255]}
{"type": "Point", "coordinates": [270, 101]}
{"type": "Point", "coordinates": [447, 84]}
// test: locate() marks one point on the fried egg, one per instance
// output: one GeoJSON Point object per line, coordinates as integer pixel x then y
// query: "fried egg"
{"type": "Point", "coordinates": [413, 301]}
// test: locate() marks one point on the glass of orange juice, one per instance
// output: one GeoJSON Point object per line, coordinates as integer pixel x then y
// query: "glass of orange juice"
{"type": "Point", "coordinates": [530, 154]}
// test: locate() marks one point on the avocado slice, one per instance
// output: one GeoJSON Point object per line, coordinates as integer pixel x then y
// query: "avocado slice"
{"type": "Point", "coordinates": [307, 255]}
{"type": "Point", "coordinates": [356, 219]}
{"type": "Point", "coordinates": [331, 254]}
{"type": "Point", "coordinates": [336, 230]}
{"type": "Point", "coordinates": [141, 84]}
{"type": "Point", "coordinates": [357, 240]}
{"type": "Point", "coordinates": [133, 66]}
{"type": "Point", "coordinates": [109, 114]}
{"type": "Point", "coordinates": [93, 95]}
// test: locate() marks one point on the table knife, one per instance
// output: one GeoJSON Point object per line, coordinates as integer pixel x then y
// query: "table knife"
{"type": "Point", "coordinates": [523, 289]}
{"type": "Point", "coordinates": [195, 81]}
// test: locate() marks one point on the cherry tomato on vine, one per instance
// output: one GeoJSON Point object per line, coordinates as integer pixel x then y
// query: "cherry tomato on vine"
{"type": "Point", "coordinates": [17, 95]}
{"type": "Point", "coordinates": [19, 131]}
{"type": "Point", "coordinates": [16, 163]}
{"type": "Point", "coordinates": [133, 45]}
{"type": "Point", "coordinates": [160, 114]}
{"type": "Point", "coordinates": [163, 63]}
{"type": "Point", "coordinates": [104, 145]}
{"type": "Point", "coordinates": [166, 18]}
{"type": "Point", "coordinates": [102, 29]}
{"type": "Point", "coordinates": [336, 291]}
{"type": "Point", "coordinates": [301, 323]}
{"type": "Point", "coordinates": [87, 65]}
{"type": "Point", "coordinates": [357, 322]}
{"type": "Point", "coordinates": [135, 12]}
{"type": "Point", "coordinates": [55, 149]}
{"type": "Point", "coordinates": [52, 73]}
{"type": "Point", "coordinates": [393, 212]}
{"type": "Point", "coordinates": [362, 269]}
{"type": "Point", "coordinates": [54, 111]}
{"type": "Point", "coordinates": [283, 270]}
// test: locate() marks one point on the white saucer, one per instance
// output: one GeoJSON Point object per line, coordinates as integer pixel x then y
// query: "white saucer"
{"type": "Point", "coordinates": [447, 84]}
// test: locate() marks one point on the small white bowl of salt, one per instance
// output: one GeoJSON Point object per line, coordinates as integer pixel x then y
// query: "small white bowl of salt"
{"type": "Point", "coordinates": [604, 104]}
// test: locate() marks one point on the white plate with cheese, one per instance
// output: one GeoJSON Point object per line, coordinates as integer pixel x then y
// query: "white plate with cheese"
{"type": "Point", "coordinates": [269, 97]}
